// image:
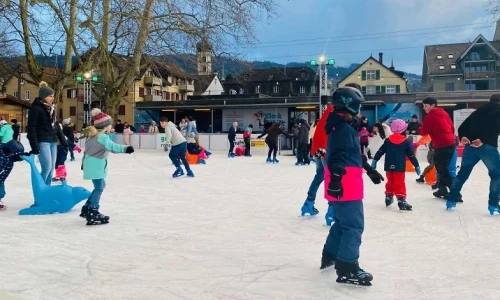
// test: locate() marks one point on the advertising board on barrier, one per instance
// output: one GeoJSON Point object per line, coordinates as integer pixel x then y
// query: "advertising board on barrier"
{"type": "Point", "coordinates": [161, 140]}
{"type": "Point", "coordinates": [254, 141]}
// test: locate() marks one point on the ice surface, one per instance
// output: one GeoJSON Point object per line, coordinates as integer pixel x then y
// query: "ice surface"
{"type": "Point", "coordinates": [234, 232]}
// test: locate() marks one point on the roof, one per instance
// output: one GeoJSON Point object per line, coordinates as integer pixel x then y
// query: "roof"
{"type": "Point", "coordinates": [169, 68]}
{"type": "Point", "coordinates": [15, 101]}
{"type": "Point", "coordinates": [393, 71]}
{"type": "Point", "coordinates": [274, 74]}
{"type": "Point", "coordinates": [204, 45]}
{"type": "Point", "coordinates": [202, 82]}
{"type": "Point", "coordinates": [458, 50]}
{"type": "Point", "coordinates": [49, 74]}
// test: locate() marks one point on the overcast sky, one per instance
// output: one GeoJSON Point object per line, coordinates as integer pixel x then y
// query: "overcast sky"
{"type": "Point", "coordinates": [349, 30]}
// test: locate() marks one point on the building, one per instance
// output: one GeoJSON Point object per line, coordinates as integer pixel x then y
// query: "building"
{"type": "Point", "coordinates": [463, 66]}
{"type": "Point", "coordinates": [22, 88]}
{"type": "Point", "coordinates": [14, 108]}
{"type": "Point", "coordinates": [376, 78]}
{"type": "Point", "coordinates": [207, 82]}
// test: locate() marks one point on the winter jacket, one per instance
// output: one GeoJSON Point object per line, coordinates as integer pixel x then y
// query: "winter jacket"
{"type": "Point", "coordinates": [119, 128]}
{"type": "Point", "coordinates": [191, 127]}
{"type": "Point", "coordinates": [273, 133]}
{"type": "Point", "coordinates": [6, 166]}
{"type": "Point", "coordinates": [95, 158]}
{"type": "Point", "coordinates": [247, 134]}
{"type": "Point", "coordinates": [343, 157]}
{"type": "Point", "coordinates": [303, 135]}
{"type": "Point", "coordinates": [483, 124]}
{"type": "Point", "coordinates": [127, 132]}
{"type": "Point", "coordinates": [364, 135]}
{"type": "Point", "coordinates": [320, 137]}
{"type": "Point", "coordinates": [15, 128]}
{"type": "Point", "coordinates": [396, 149]}
{"type": "Point", "coordinates": [68, 132]}
{"type": "Point", "coordinates": [41, 128]}
{"type": "Point", "coordinates": [173, 135]}
{"type": "Point", "coordinates": [439, 126]}
{"type": "Point", "coordinates": [153, 129]}
{"type": "Point", "coordinates": [413, 128]}
{"type": "Point", "coordinates": [6, 133]}
{"type": "Point", "coordinates": [231, 135]}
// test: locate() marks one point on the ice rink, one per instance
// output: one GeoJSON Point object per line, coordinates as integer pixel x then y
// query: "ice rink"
{"type": "Point", "coordinates": [234, 232]}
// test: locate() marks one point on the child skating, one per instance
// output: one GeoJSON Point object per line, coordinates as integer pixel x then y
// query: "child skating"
{"type": "Point", "coordinates": [95, 163]}
{"type": "Point", "coordinates": [397, 148]}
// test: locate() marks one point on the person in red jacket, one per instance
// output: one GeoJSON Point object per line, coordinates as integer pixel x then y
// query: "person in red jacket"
{"type": "Point", "coordinates": [439, 126]}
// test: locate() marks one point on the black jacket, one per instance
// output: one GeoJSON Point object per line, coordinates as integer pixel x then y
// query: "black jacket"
{"type": "Point", "coordinates": [413, 128]}
{"type": "Point", "coordinates": [396, 149]}
{"type": "Point", "coordinates": [231, 134]}
{"type": "Point", "coordinates": [40, 127]}
{"type": "Point", "coordinates": [303, 134]}
{"type": "Point", "coordinates": [272, 134]}
{"type": "Point", "coordinates": [68, 132]}
{"type": "Point", "coordinates": [15, 128]}
{"type": "Point", "coordinates": [483, 124]}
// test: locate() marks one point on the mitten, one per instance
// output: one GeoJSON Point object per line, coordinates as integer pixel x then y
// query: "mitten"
{"type": "Point", "coordinates": [418, 171]}
{"type": "Point", "coordinates": [320, 153]}
{"type": "Point", "coordinates": [375, 176]}
{"type": "Point", "coordinates": [374, 164]}
{"type": "Point", "coordinates": [335, 188]}
{"type": "Point", "coordinates": [129, 150]}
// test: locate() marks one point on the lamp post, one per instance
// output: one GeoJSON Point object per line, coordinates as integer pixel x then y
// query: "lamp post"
{"type": "Point", "coordinates": [323, 77]}
{"type": "Point", "coordinates": [87, 79]}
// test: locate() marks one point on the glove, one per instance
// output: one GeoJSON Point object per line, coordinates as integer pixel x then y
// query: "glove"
{"type": "Point", "coordinates": [335, 188]}
{"type": "Point", "coordinates": [25, 154]}
{"type": "Point", "coordinates": [375, 176]}
{"type": "Point", "coordinates": [374, 164]}
{"type": "Point", "coordinates": [320, 153]}
{"type": "Point", "coordinates": [167, 147]}
{"type": "Point", "coordinates": [129, 150]}
{"type": "Point", "coordinates": [418, 171]}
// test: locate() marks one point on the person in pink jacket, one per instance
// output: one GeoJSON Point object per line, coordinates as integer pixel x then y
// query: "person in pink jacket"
{"type": "Point", "coordinates": [127, 132]}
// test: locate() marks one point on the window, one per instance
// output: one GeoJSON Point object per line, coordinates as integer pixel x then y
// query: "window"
{"type": "Point", "coordinates": [450, 56]}
{"type": "Point", "coordinates": [303, 74]}
{"type": "Point", "coordinates": [257, 89]}
{"type": "Point", "coordinates": [390, 89]}
{"type": "Point", "coordinates": [141, 92]}
{"type": "Point", "coordinates": [72, 111]}
{"type": "Point", "coordinates": [439, 57]}
{"type": "Point", "coordinates": [15, 94]}
{"type": "Point", "coordinates": [475, 56]}
{"type": "Point", "coordinates": [121, 110]}
{"type": "Point", "coordinates": [27, 95]}
{"type": "Point", "coordinates": [470, 86]}
{"type": "Point", "coordinates": [450, 87]}
{"type": "Point", "coordinates": [441, 67]}
{"type": "Point", "coordinates": [302, 89]}
{"type": "Point", "coordinates": [314, 89]}
{"type": "Point", "coordinates": [370, 75]}
{"type": "Point", "coordinates": [453, 67]}
{"type": "Point", "coordinates": [149, 74]}
{"type": "Point", "coordinates": [371, 90]}
{"type": "Point", "coordinates": [276, 89]}
{"type": "Point", "coordinates": [148, 92]}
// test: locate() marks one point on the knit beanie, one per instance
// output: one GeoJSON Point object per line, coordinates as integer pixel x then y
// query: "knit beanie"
{"type": "Point", "coordinates": [45, 90]}
{"type": "Point", "coordinates": [101, 120]}
{"type": "Point", "coordinates": [67, 121]}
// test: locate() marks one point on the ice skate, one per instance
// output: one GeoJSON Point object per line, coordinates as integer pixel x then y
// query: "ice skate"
{"type": "Point", "coordinates": [230, 155]}
{"type": "Point", "coordinates": [190, 173]}
{"type": "Point", "coordinates": [178, 172]}
{"type": "Point", "coordinates": [72, 159]}
{"type": "Point", "coordinates": [308, 208]}
{"type": "Point", "coordinates": [299, 164]}
{"type": "Point", "coordinates": [329, 216]}
{"type": "Point", "coordinates": [84, 211]}
{"type": "Point", "coordinates": [77, 149]}
{"type": "Point", "coordinates": [421, 179]}
{"type": "Point", "coordinates": [269, 160]}
{"type": "Point", "coordinates": [388, 200]}
{"type": "Point", "coordinates": [441, 193]}
{"type": "Point", "coordinates": [352, 274]}
{"type": "Point", "coordinates": [94, 217]}
{"type": "Point", "coordinates": [452, 204]}
{"type": "Point", "coordinates": [403, 205]}
{"type": "Point", "coordinates": [492, 209]}
{"type": "Point", "coordinates": [275, 161]}
{"type": "Point", "coordinates": [327, 260]}
{"type": "Point", "coordinates": [61, 172]}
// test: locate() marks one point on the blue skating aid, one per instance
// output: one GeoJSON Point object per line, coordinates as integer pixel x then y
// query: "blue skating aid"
{"type": "Point", "coordinates": [51, 199]}
{"type": "Point", "coordinates": [329, 216]}
{"type": "Point", "coordinates": [492, 209]}
{"type": "Point", "coordinates": [450, 205]}
{"type": "Point", "coordinates": [308, 208]}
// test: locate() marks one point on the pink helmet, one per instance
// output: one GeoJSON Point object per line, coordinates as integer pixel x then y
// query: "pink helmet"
{"type": "Point", "coordinates": [398, 126]}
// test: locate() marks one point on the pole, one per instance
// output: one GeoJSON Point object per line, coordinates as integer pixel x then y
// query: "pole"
{"type": "Point", "coordinates": [212, 119]}
{"type": "Point", "coordinates": [320, 88]}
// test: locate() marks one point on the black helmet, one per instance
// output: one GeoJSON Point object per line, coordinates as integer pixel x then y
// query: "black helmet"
{"type": "Point", "coordinates": [14, 147]}
{"type": "Point", "coordinates": [347, 98]}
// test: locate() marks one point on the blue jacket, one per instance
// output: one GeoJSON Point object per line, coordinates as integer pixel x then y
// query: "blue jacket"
{"type": "Point", "coordinates": [397, 148]}
{"type": "Point", "coordinates": [6, 165]}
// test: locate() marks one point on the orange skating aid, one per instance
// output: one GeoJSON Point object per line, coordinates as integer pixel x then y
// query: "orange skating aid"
{"type": "Point", "coordinates": [431, 177]}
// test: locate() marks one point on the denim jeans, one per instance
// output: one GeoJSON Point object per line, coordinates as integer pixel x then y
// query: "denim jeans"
{"type": "Point", "coordinates": [178, 152]}
{"type": "Point", "coordinates": [344, 238]}
{"type": "Point", "coordinates": [95, 197]}
{"type": "Point", "coordinates": [47, 157]}
{"type": "Point", "coordinates": [317, 180]}
{"type": "Point", "coordinates": [471, 156]}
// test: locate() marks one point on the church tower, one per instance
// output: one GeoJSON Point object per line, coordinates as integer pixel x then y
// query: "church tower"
{"type": "Point", "coordinates": [204, 57]}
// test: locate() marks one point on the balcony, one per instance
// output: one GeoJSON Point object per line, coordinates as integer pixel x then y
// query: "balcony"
{"type": "Point", "coordinates": [152, 98]}
{"type": "Point", "coordinates": [480, 75]}
{"type": "Point", "coordinates": [153, 81]}
{"type": "Point", "coordinates": [186, 87]}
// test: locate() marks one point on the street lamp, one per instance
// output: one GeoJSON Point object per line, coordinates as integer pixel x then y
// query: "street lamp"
{"type": "Point", "coordinates": [323, 77]}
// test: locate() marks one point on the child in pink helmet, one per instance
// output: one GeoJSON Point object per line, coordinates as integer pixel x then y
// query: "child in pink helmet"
{"type": "Point", "coordinates": [397, 148]}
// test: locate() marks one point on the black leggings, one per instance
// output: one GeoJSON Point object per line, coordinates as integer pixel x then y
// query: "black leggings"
{"type": "Point", "coordinates": [273, 148]}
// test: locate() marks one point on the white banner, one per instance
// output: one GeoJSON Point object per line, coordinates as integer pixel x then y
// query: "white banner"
{"type": "Point", "coordinates": [256, 117]}
{"type": "Point", "coordinates": [459, 117]}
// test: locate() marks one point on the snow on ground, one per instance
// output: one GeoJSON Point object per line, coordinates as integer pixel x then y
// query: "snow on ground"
{"type": "Point", "coordinates": [234, 232]}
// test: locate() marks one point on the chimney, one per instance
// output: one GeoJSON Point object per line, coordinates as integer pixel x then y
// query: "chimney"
{"type": "Point", "coordinates": [381, 57]}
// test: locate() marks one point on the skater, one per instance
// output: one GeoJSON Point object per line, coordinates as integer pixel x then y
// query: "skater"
{"type": "Point", "coordinates": [302, 142]}
{"type": "Point", "coordinates": [439, 126]}
{"type": "Point", "coordinates": [247, 136]}
{"type": "Point", "coordinates": [344, 188]}
{"type": "Point", "coordinates": [177, 145]}
{"type": "Point", "coordinates": [364, 134]}
{"type": "Point", "coordinates": [396, 149]}
{"type": "Point", "coordinates": [15, 128]}
{"type": "Point", "coordinates": [70, 137]}
{"type": "Point", "coordinates": [44, 130]}
{"type": "Point", "coordinates": [95, 163]}
{"type": "Point", "coordinates": [6, 132]}
{"type": "Point", "coordinates": [9, 154]}
{"type": "Point", "coordinates": [62, 154]}
{"type": "Point", "coordinates": [273, 134]}
{"type": "Point", "coordinates": [430, 161]}
{"type": "Point", "coordinates": [231, 136]}
{"type": "Point", "coordinates": [414, 125]}
{"type": "Point", "coordinates": [479, 133]}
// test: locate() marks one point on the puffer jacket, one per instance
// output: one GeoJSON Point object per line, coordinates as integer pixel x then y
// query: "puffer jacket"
{"type": "Point", "coordinates": [41, 128]}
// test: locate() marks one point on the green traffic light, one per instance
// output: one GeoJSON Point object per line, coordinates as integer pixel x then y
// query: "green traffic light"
{"type": "Point", "coordinates": [95, 78]}
{"type": "Point", "coordinates": [79, 78]}
{"type": "Point", "coordinates": [331, 62]}
{"type": "Point", "coordinates": [313, 63]}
